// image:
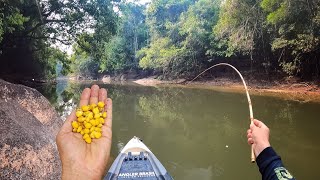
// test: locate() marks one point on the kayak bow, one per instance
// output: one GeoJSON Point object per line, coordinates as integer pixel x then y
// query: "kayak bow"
{"type": "Point", "coordinates": [136, 161]}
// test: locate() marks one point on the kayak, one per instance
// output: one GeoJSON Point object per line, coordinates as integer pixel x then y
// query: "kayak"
{"type": "Point", "coordinates": [136, 161]}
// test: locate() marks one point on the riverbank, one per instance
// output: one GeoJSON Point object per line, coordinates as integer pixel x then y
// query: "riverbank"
{"type": "Point", "coordinates": [289, 88]}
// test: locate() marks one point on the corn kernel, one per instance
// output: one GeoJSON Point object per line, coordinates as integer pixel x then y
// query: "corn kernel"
{"type": "Point", "coordinates": [75, 124]}
{"type": "Point", "coordinates": [91, 129]}
{"type": "Point", "coordinates": [85, 108]}
{"type": "Point", "coordinates": [100, 104]}
{"type": "Point", "coordinates": [88, 140]}
{"type": "Point", "coordinates": [97, 135]}
{"type": "Point", "coordinates": [82, 132]}
{"type": "Point", "coordinates": [93, 105]}
{"type": "Point", "coordinates": [90, 115]}
{"type": "Point", "coordinates": [92, 135]}
{"type": "Point", "coordinates": [97, 122]}
{"type": "Point", "coordinates": [85, 136]}
{"type": "Point", "coordinates": [100, 125]}
{"type": "Point", "coordinates": [97, 129]}
{"type": "Point", "coordinates": [97, 116]}
{"type": "Point", "coordinates": [79, 113]}
{"type": "Point", "coordinates": [81, 119]}
{"type": "Point", "coordinates": [104, 114]}
{"type": "Point", "coordinates": [86, 131]}
{"type": "Point", "coordinates": [88, 125]}
{"type": "Point", "coordinates": [74, 130]}
{"type": "Point", "coordinates": [92, 122]}
{"type": "Point", "coordinates": [101, 120]}
{"type": "Point", "coordinates": [96, 111]}
{"type": "Point", "coordinates": [100, 109]}
{"type": "Point", "coordinates": [79, 129]}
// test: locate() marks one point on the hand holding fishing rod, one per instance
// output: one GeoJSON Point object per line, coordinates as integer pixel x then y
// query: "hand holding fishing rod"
{"type": "Point", "coordinates": [258, 136]}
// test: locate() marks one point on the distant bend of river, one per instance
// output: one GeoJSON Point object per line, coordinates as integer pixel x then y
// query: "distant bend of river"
{"type": "Point", "coordinates": [201, 134]}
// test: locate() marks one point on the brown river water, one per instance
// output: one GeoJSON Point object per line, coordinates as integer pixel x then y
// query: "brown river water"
{"type": "Point", "coordinates": [201, 133]}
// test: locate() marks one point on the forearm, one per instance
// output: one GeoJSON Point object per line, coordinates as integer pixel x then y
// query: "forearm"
{"type": "Point", "coordinates": [270, 165]}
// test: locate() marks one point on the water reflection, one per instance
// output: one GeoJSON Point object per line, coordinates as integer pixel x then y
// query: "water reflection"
{"type": "Point", "coordinates": [202, 133]}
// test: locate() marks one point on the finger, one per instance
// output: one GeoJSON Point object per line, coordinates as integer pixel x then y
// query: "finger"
{"type": "Point", "coordinates": [257, 123]}
{"type": "Point", "coordinates": [249, 131]}
{"type": "Point", "coordinates": [102, 94]}
{"type": "Point", "coordinates": [108, 108]}
{"type": "Point", "coordinates": [250, 141]}
{"type": "Point", "coordinates": [94, 94]}
{"type": "Point", "coordinates": [252, 126]}
{"type": "Point", "coordinates": [249, 135]}
{"type": "Point", "coordinates": [84, 99]}
{"type": "Point", "coordinates": [66, 127]}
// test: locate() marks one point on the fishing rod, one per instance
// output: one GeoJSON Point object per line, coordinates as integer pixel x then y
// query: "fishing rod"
{"type": "Point", "coordinates": [253, 158]}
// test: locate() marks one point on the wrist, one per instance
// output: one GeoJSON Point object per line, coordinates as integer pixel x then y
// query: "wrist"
{"type": "Point", "coordinates": [260, 147]}
{"type": "Point", "coordinates": [79, 172]}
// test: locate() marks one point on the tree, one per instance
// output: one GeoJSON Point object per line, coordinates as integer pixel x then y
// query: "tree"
{"type": "Point", "coordinates": [30, 28]}
{"type": "Point", "coordinates": [295, 28]}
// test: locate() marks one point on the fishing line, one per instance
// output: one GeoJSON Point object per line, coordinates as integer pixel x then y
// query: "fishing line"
{"type": "Point", "coordinates": [253, 158]}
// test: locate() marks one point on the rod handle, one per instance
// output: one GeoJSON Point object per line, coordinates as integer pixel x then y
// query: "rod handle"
{"type": "Point", "coordinates": [253, 157]}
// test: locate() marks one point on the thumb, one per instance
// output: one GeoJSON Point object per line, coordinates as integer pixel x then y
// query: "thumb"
{"type": "Point", "coordinates": [66, 127]}
{"type": "Point", "coordinates": [257, 123]}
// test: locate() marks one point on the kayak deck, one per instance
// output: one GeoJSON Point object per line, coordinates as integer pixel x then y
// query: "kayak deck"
{"type": "Point", "coordinates": [136, 161]}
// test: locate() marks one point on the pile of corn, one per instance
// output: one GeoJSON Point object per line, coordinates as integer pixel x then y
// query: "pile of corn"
{"type": "Point", "coordinates": [90, 119]}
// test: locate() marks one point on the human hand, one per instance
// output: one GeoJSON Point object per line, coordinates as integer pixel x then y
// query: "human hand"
{"type": "Point", "coordinates": [258, 136]}
{"type": "Point", "coordinates": [79, 159]}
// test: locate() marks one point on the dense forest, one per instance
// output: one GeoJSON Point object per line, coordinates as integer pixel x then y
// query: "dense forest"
{"type": "Point", "coordinates": [170, 38]}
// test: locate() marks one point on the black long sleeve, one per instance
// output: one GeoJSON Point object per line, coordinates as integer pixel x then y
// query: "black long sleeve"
{"type": "Point", "coordinates": [271, 167]}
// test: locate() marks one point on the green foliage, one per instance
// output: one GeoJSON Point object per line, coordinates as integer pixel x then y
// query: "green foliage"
{"type": "Point", "coordinates": [183, 46]}
{"type": "Point", "coordinates": [33, 27]}
{"type": "Point", "coordinates": [295, 25]}
{"type": "Point", "coordinates": [158, 55]}
{"type": "Point", "coordinates": [240, 27]}
{"type": "Point", "coordinates": [119, 54]}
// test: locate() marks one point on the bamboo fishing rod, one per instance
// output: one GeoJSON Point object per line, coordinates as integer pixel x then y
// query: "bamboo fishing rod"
{"type": "Point", "coordinates": [253, 158]}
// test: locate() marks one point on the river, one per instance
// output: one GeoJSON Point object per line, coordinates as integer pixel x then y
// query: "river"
{"type": "Point", "coordinates": [201, 133]}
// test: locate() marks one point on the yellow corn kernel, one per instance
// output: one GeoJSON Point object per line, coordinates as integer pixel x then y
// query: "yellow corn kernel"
{"type": "Point", "coordinates": [97, 129]}
{"type": "Point", "coordinates": [81, 119]}
{"type": "Point", "coordinates": [104, 114]}
{"type": "Point", "coordinates": [101, 120]}
{"type": "Point", "coordinates": [92, 122]}
{"type": "Point", "coordinates": [90, 115]}
{"type": "Point", "coordinates": [86, 131]}
{"type": "Point", "coordinates": [75, 124]}
{"type": "Point", "coordinates": [91, 129]}
{"type": "Point", "coordinates": [97, 116]}
{"type": "Point", "coordinates": [97, 135]}
{"type": "Point", "coordinates": [79, 129]}
{"type": "Point", "coordinates": [96, 111]}
{"type": "Point", "coordinates": [79, 113]}
{"type": "Point", "coordinates": [85, 136]}
{"type": "Point", "coordinates": [82, 132]}
{"type": "Point", "coordinates": [88, 140]}
{"type": "Point", "coordinates": [99, 125]}
{"type": "Point", "coordinates": [89, 107]}
{"type": "Point", "coordinates": [101, 109]}
{"type": "Point", "coordinates": [88, 125]}
{"type": "Point", "coordinates": [100, 104]}
{"type": "Point", "coordinates": [93, 105]}
{"type": "Point", "coordinates": [97, 122]}
{"type": "Point", "coordinates": [74, 130]}
{"type": "Point", "coordinates": [86, 113]}
{"type": "Point", "coordinates": [92, 134]}
{"type": "Point", "coordinates": [85, 108]}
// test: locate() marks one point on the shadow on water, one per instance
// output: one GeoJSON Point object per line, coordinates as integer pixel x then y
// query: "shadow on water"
{"type": "Point", "coordinates": [198, 133]}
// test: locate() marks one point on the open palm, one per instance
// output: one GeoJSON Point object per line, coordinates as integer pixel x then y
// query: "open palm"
{"type": "Point", "coordinates": [79, 159]}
